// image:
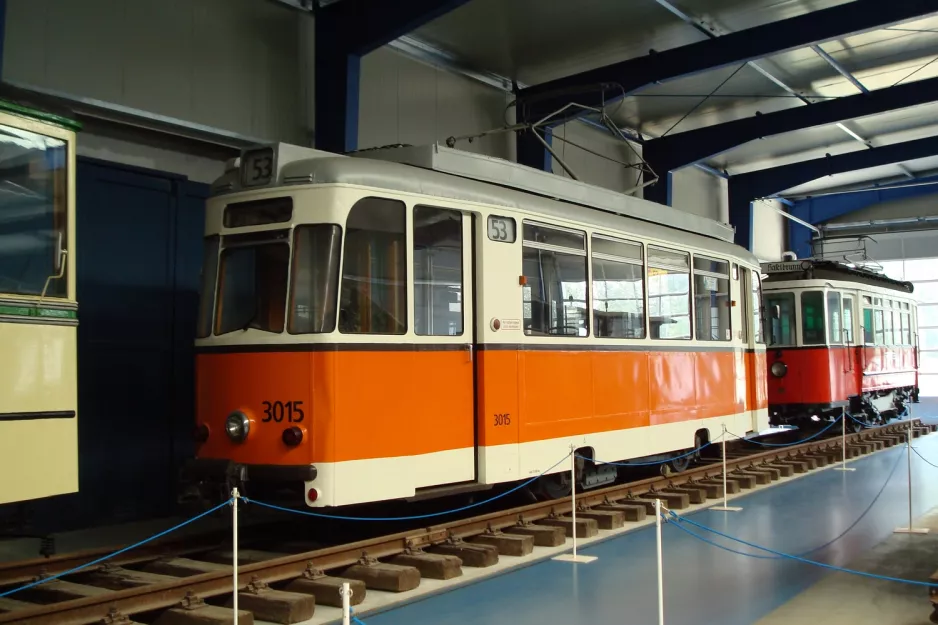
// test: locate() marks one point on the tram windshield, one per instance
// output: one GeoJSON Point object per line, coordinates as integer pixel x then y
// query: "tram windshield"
{"type": "Point", "coordinates": [252, 275]}
{"type": "Point", "coordinates": [33, 212]}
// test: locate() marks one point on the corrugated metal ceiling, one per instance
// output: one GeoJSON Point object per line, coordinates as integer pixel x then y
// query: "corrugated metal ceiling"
{"type": "Point", "coordinates": [534, 41]}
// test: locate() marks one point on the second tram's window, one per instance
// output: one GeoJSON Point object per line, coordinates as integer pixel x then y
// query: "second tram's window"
{"type": "Point", "coordinates": [315, 278]}
{"type": "Point", "coordinates": [867, 320]}
{"type": "Point", "coordinates": [668, 293]}
{"type": "Point", "coordinates": [618, 289]}
{"type": "Point", "coordinates": [889, 337]}
{"type": "Point", "coordinates": [812, 318]}
{"type": "Point", "coordinates": [438, 292]}
{"type": "Point", "coordinates": [207, 289]}
{"type": "Point", "coordinates": [554, 294]}
{"type": "Point", "coordinates": [781, 311]}
{"type": "Point", "coordinates": [878, 336]}
{"type": "Point", "coordinates": [834, 318]}
{"type": "Point", "coordinates": [374, 271]}
{"type": "Point", "coordinates": [712, 299]}
{"type": "Point", "coordinates": [848, 319]}
{"type": "Point", "coordinates": [252, 289]}
{"type": "Point", "coordinates": [906, 329]}
{"type": "Point", "coordinates": [33, 213]}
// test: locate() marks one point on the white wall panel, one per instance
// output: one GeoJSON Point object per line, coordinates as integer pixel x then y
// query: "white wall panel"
{"type": "Point", "coordinates": [698, 192]}
{"type": "Point", "coordinates": [196, 168]}
{"type": "Point", "coordinates": [405, 101]}
{"type": "Point", "coordinates": [590, 168]}
{"type": "Point", "coordinates": [227, 64]}
{"type": "Point", "coordinates": [768, 227]}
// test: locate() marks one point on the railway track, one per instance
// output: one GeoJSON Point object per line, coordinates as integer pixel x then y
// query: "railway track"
{"type": "Point", "coordinates": [181, 582]}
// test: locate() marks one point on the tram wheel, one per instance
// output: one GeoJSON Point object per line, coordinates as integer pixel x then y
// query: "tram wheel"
{"type": "Point", "coordinates": [555, 486]}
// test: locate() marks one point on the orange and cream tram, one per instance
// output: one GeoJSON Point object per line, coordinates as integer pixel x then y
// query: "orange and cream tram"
{"type": "Point", "coordinates": [840, 338]}
{"type": "Point", "coordinates": [413, 322]}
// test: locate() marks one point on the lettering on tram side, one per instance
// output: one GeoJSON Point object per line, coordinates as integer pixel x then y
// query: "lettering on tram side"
{"type": "Point", "coordinates": [502, 419]}
{"type": "Point", "coordinates": [278, 410]}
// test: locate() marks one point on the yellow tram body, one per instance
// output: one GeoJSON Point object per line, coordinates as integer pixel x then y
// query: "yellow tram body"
{"type": "Point", "coordinates": [38, 306]}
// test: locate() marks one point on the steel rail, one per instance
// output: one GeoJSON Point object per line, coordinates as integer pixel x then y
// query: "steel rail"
{"type": "Point", "coordinates": [166, 595]}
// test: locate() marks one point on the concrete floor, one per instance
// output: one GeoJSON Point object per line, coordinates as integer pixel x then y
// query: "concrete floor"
{"type": "Point", "coordinates": [842, 599]}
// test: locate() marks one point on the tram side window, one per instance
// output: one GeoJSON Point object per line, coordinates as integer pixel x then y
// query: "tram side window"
{"type": "Point", "coordinates": [207, 289]}
{"type": "Point", "coordinates": [887, 328]}
{"type": "Point", "coordinates": [669, 294]}
{"type": "Point", "coordinates": [252, 289]}
{"type": "Point", "coordinates": [867, 320]}
{"type": "Point", "coordinates": [905, 329]}
{"type": "Point", "coordinates": [781, 311]}
{"type": "Point", "coordinates": [374, 269]}
{"type": "Point", "coordinates": [878, 337]}
{"type": "Point", "coordinates": [554, 295]}
{"type": "Point", "coordinates": [848, 319]}
{"type": "Point", "coordinates": [812, 318]}
{"type": "Point", "coordinates": [315, 278]}
{"type": "Point", "coordinates": [618, 289]}
{"type": "Point", "coordinates": [711, 299]}
{"type": "Point", "coordinates": [33, 213]}
{"type": "Point", "coordinates": [438, 278]}
{"type": "Point", "coordinates": [834, 318]}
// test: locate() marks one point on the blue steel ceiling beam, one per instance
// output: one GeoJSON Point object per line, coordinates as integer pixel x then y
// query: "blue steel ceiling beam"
{"type": "Point", "coordinates": [686, 148]}
{"type": "Point", "coordinates": [746, 188]}
{"type": "Point", "coordinates": [731, 49]}
{"type": "Point", "coordinates": [346, 31]}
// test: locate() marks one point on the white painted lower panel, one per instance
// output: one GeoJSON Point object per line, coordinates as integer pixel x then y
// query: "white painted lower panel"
{"type": "Point", "coordinates": [360, 481]}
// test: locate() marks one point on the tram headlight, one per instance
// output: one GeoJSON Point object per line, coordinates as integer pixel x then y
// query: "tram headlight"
{"type": "Point", "coordinates": [237, 426]}
{"type": "Point", "coordinates": [779, 369]}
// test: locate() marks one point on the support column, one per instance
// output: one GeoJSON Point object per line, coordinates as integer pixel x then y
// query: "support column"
{"type": "Point", "coordinates": [336, 95]}
{"type": "Point", "coordinates": [740, 213]}
{"type": "Point", "coordinates": [531, 152]}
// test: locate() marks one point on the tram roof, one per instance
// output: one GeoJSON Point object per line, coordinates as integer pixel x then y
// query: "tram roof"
{"type": "Point", "coordinates": [296, 165]}
{"type": "Point", "coordinates": [810, 269]}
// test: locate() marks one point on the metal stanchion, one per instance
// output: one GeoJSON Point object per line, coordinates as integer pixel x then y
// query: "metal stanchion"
{"type": "Point", "coordinates": [910, 529]}
{"type": "Point", "coordinates": [843, 442]}
{"type": "Point", "coordinates": [234, 551]}
{"type": "Point", "coordinates": [346, 592]}
{"type": "Point", "coordinates": [574, 557]}
{"type": "Point", "coordinates": [725, 507]}
{"type": "Point", "coordinates": [660, 563]}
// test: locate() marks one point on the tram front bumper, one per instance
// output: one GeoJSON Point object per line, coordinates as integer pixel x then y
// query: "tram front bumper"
{"type": "Point", "coordinates": [226, 470]}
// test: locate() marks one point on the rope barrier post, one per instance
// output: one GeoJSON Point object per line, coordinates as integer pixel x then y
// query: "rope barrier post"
{"type": "Point", "coordinates": [565, 557]}
{"type": "Point", "coordinates": [346, 592]}
{"type": "Point", "coordinates": [843, 442]}
{"type": "Point", "coordinates": [234, 552]}
{"type": "Point", "coordinates": [660, 563]}
{"type": "Point", "coordinates": [910, 529]}
{"type": "Point", "coordinates": [724, 507]}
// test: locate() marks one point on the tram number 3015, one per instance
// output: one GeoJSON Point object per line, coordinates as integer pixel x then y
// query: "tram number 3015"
{"type": "Point", "coordinates": [278, 410]}
{"type": "Point", "coordinates": [503, 419]}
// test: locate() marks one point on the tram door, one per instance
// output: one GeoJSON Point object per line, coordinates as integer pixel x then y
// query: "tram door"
{"type": "Point", "coordinates": [443, 320]}
{"type": "Point", "coordinates": [751, 335]}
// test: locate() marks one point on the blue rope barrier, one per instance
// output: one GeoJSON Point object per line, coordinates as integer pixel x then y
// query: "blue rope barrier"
{"type": "Point", "coordinates": [414, 517]}
{"type": "Point", "coordinates": [355, 619]}
{"type": "Point", "coordinates": [680, 519]}
{"type": "Point", "coordinates": [927, 461]}
{"type": "Point", "coordinates": [860, 423]}
{"type": "Point", "coordinates": [804, 440]}
{"type": "Point", "coordinates": [118, 552]}
{"type": "Point", "coordinates": [651, 464]}
{"type": "Point", "coordinates": [819, 547]}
